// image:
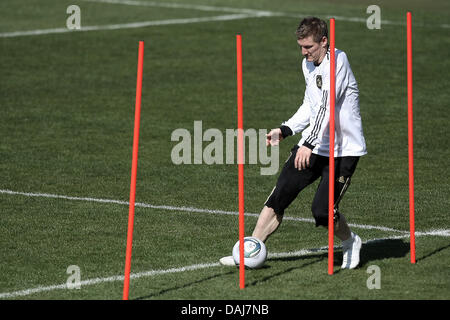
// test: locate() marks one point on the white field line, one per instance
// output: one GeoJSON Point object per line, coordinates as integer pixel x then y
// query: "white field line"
{"type": "Point", "coordinates": [241, 13]}
{"type": "Point", "coordinates": [126, 25]}
{"type": "Point", "coordinates": [90, 282]}
{"type": "Point", "coordinates": [151, 273]}
{"type": "Point", "coordinates": [260, 13]}
{"type": "Point", "coordinates": [173, 5]}
{"type": "Point", "coordinates": [192, 209]}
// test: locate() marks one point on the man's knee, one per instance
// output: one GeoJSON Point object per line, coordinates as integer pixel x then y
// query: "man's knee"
{"type": "Point", "coordinates": [320, 214]}
{"type": "Point", "coordinates": [279, 200]}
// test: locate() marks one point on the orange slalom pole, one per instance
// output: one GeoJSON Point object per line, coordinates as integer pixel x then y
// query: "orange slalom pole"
{"type": "Point", "coordinates": [331, 158]}
{"type": "Point", "coordinates": [410, 137]}
{"type": "Point", "coordinates": [240, 161]}
{"type": "Point", "coordinates": [137, 117]}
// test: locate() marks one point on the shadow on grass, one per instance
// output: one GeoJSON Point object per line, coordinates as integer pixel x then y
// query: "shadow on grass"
{"type": "Point", "coordinates": [161, 292]}
{"type": "Point", "coordinates": [383, 249]}
{"type": "Point", "coordinates": [316, 258]}
{"type": "Point", "coordinates": [374, 250]}
{"type": "Point", "coordinates": [433, 253]}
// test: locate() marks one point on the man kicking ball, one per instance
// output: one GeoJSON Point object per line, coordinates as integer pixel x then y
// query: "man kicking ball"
{"type": "Point", "coordinates": [309, 158]}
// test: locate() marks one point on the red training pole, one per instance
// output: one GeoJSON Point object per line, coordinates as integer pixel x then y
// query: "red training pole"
{"type": "Point", "coordinates": [137, 117]}
{"type": "Point", "coordinates": [410, 137]}
{"type": "Point", "coordinates": [331, 158]}
{"type": "Point", "coordinates": [240, 161]}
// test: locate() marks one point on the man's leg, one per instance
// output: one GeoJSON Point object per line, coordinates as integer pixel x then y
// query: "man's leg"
{"type": "Point", "coordinates": [351, 243]}
{"type": "Point", "coordinates": [289, 184]}
{"type": "Point", "coordinates": [268, 222]}
{"type": "Point", "coordinates": [341, 228]}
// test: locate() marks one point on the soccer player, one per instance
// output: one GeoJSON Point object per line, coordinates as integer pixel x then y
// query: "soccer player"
{"type": "Point", "coordinates": [309, 159]}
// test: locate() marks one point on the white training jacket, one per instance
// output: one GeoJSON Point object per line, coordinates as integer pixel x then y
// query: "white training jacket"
{"type": "Point", "coordinates": [312, 117]}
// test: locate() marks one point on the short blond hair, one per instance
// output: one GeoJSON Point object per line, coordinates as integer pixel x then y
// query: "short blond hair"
{"type": "Point", "coordinates": [312, 26]}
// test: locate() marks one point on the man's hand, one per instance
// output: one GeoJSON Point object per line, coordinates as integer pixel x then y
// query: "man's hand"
{"type": "Point", "coordinates": [274, 137]}
{"type": "Point", "coordinates": [302, 158]}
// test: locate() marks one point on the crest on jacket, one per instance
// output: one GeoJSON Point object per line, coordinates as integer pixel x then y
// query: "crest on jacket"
{"type": "Point", "coordinates": [319, 81]}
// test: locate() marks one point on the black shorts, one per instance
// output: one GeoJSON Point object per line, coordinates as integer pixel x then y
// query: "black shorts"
{"type": "Point", "coordinates": [291, 181]}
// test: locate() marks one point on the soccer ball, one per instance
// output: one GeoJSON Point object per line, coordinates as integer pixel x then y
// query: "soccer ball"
{"type": "Point", "coordinates": [255, 253]}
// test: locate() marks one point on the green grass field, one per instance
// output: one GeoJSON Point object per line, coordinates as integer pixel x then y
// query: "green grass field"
{"type": "Point", "coordinates": [66, 127]}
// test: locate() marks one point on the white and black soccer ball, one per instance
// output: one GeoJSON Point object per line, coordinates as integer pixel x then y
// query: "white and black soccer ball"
{"type": "Point", "coordinates": [255, 253]}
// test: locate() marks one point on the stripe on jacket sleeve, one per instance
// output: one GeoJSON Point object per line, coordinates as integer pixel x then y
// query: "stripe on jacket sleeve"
{"type": "Point", "coordinates": [319, 119]}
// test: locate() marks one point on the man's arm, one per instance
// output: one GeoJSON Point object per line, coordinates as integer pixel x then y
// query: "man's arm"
{"type": "Point", "coordinates": [295, 124]}
{"type": "Point", "coordinates": [299, 121]}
